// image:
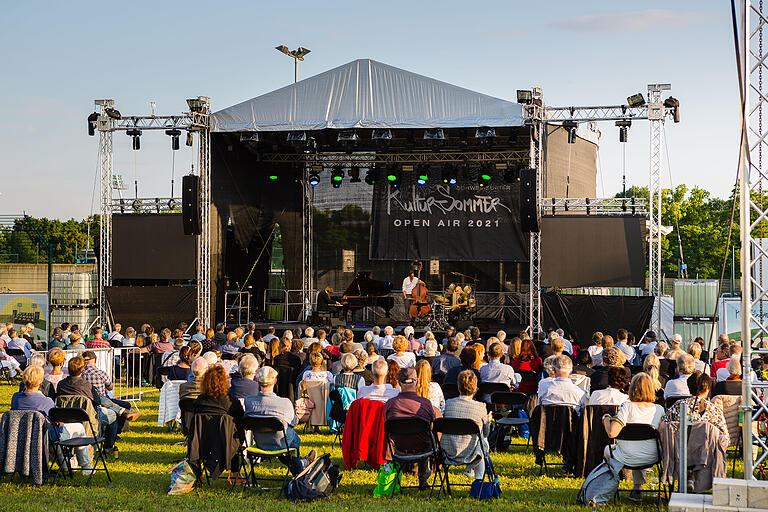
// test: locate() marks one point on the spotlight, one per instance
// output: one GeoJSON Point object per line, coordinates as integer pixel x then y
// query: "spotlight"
{"type": "Point", "coordinates": [195, 104]}
{"type": "Point", "coordinates": [623, 125]}
{"type": "Point", "coordinates": [371, 177]}
{"type": "Point", "coordinates": [393, 177]}
{"type": "Point", "coordinates": [524, 96]}
{"type": "Point", "coordinates": [347, 136]}
{"type": "Point", "coordinates": [484, 176]}
{"type": "Point", "coordinates": [190, 139]}
{"type": "Point", "coordinates": [571, 126]}
{"type": "Point", "coordinates": [449, 175]}
{"type": "Point", "coordinates": [174, 134]}
{"type": "Point", "coordinates": [485, 133]}
{"type": "Point", "coordinates": [314, 175]}
{"type": "Point", "coordinates": [381, 135]}
{"type": "Point", "coordinates": [112, 113]}
{"type": "Point", "coordinates": [272, 177]}
{"type": "Point", "coordinates": [249, 137]}
{"type": "Point", "coordinates": [423, 175]}
{"type": "Point", "coordinates": [636, 100]}
{"type": "Point", "coordinates": [337, 176]}
{"type": "Point", "coordinates": [354, 174]}
{"type": "Point", "coordinates": [136, 135]}
{"type": "Point", "coordinates": [674, 104]}
{"type": "Point", "coordinates": [297, 137]}
{"type": "Point", "coordinates": [434, 134]}
{"type": "Point", "coordinates": [92, 123]}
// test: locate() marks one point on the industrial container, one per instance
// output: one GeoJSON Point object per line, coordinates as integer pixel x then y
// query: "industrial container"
{"type": "Point", "coordinates": [83, 317]}
{"type": "Point", "coordinates": [604, 290]}
{"type": "Point", "coordinates": [690, 330]}
{"type": "Point", "coordinates": [695, 297]}
{"type": "Point", "coordinates": [74, 289]}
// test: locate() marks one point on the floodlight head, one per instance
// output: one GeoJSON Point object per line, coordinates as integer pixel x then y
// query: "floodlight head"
{"type": "Point", "coordinates": [623, 125]}
{"type": "Point", "coordinates": [297, 137]}
{"type": "Point", "coordinates": [434, 134]}
{"type": "Point", "coordinates": [174, 135]}
{"type": "Point", "coordinates": [190, 139]}
{"type": "Point", "coordinates": [283, 48]}
{"type": "Point", "coordinates": [337, 176]}
{"type": "Point", "coordinates": [354, 174]}
{"type": "Point", "coordinates": [314, 178]}
{"type": "Point", "coordinates": [571, 127]}
{"type": "Point", "coordinates": [524, 96]}
{"type": "Point", "coordinates": [674, 105]}
{"type": "Point", "coordinates": [485, 133]}
{"type": "Point", "coordinates": [370, 177]}
{"type": "Point", "coordinates": [381, 134]}
{"type": "Point", "coordinates": [300, 52]}
{"type": "Point", "coordinates": [136, 136]}
{"type": "Point", "coordinates": [112, 113]}
{"type": "Point", "coordinates": [249, 137]}
{"type": "Point", "coordinates": [347, 136]}
{"type": "Point", "coordinates": [195, 104]}
{"type": "Point", "coordinates": [92, 118]}
{"type": "Point", "coordinates": [636, 100]}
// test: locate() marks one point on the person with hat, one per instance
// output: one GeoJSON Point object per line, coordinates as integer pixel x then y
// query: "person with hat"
{"type": "Point", "coordinates": [267, 403]}
{"type": "Point", "coordinates": [648, 345]}
{"type": "Point", "coordinates": [408, 404]}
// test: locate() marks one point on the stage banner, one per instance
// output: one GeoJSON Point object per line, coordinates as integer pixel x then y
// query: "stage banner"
{"type": "Point", "coordinates": [463, 222]}
{"type": "Point", "coordinates": [24, 308]}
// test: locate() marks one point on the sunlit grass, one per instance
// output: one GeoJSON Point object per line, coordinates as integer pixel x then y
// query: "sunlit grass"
{"type": "Point", "coordinates": [147, 451]}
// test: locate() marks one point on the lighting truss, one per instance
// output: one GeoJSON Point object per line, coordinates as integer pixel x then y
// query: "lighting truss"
{"type": "Point", "coordinates": [147, 205]}
{"type": "Point", "coordinates": [454, 157]}
{"type": "Point", "coordinates": [597, 206]}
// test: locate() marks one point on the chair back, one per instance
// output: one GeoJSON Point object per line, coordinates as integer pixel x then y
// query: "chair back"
{"type": "Point", "coordinates": [528, 375]}
{"type": "Point", "coordinates": [669, 402]}
{"type": "Point", "coordinates": [438, 377]}
{"type": "Point", "coordinates": [456, 426]}
{"type": "Point", "coordinates": [486, 388]}
{"type": "Point", "coordinates": [15, 352]}
{"type": "Point", "coordinates": [71, 415]}
{"type": "Point", "coordinates": [262, 424]}
{"type": "Point", "coordinates": [450, 390]}
{"type": "Point", "coordinates": [163, 371]}
{"type": "Point", "coordinates": [406, 426]}
{"type": "Point", "coordinates": [638, 432]}
{"type": "Point", "coordinates": [509, 398]}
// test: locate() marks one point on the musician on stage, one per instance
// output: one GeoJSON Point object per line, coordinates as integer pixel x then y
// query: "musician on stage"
{"type": "Point", "coordinates": [325, 303]}
{"type": "Point", "coordinates": [409, 283]}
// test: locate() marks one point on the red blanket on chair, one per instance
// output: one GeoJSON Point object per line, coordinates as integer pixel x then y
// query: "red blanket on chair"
{"type": "Point", "coordinates": [363, 437]}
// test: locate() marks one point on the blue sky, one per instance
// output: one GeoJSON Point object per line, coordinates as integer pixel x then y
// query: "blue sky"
{"type": "Point", "coordinates": [57, 57]}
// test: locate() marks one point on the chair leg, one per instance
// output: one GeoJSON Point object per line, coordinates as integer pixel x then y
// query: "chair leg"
{"type": "Point", "coordinates": [397, 481]}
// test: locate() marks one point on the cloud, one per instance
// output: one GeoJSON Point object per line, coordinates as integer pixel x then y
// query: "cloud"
{"type": "Point", "coordinates": [637, 21]}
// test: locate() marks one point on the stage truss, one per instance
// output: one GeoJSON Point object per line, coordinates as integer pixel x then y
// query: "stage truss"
{"type": "Point", "coordinates": [194, 122]}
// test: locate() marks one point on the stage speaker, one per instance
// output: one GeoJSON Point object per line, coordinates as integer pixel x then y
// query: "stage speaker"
{"type": "Point", "coordinates": [529, 218]}
{"type": "Point", "coordinates": [190, 204]}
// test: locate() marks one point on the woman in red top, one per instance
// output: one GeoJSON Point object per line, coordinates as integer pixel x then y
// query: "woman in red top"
{"type": "Point", "coordinates": [527, 360]}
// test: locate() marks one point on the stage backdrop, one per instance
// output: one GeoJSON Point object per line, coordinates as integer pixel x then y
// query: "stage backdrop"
{"type": "Point", "coordinates": [464, 222]}
{"type": "Point", "coordinates": [582, 315]}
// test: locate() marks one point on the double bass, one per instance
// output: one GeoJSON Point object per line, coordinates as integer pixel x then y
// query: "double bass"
{"type": "Point", "coordinates": [419, 307]}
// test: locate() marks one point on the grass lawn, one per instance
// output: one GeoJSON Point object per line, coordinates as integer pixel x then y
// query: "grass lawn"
{"type": "Point", "coordinates": [146, 452]}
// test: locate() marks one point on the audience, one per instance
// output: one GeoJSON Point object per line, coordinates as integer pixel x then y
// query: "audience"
{"type": "Point", "coordinates": [699, 406]}
{"type": "Point", "coordinates": [722, 372]}
{"type": "Point", "coordinates": [448, 359]}
{"type": "Point", "coordinates": [242, 384]}
{"type": "Point", "coordinates": [380, 390]}
{"type": "Point", "coordinates": [610, 356]}
{"type": "Point", "coordinates": [348, 378]}
{"type": "Point", "coordinates": [467, 357]}
{"type": "Point", "coordinates": [678, 386]}
{"type": "Point", "coordinates": [317, 371]}
{"type": "Point", "coordinates": [402, 357]}
{"type": "Point", "coordinates": [495, 370]}
{"type": "Point", "coordinates": [528, 360]}
{"type": "Point", "coordinates": [393, 370]}
{"type": "Point", "coordinates": [56, 358]}
{"type": "Point", "coordinates": [192, 388]}
{"type": "Point", "coordinates": [182, 369]}
{"type": "Point", "coordinates": [561, 390]}
{"type": "Point", "coordinates": [618, 380]}
{"type": "Point", "coordinates": [695, 349]}
{"type": "Point", "coordinates": [428, 389]}
{"type": "Point", "coordinates": [214, 395]}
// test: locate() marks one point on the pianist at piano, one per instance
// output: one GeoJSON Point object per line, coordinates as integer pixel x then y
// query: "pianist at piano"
{"type": "Point", "coordinates": [363, 292]}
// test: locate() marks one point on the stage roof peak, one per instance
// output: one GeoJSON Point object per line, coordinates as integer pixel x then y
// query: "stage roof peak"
{"type": "Point", "coordinates": [365, 93]}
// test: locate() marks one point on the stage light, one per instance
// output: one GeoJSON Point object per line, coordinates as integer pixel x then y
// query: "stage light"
{"type": "Point", "coordinates": [354, 174]}
{"type": "Point", "coordinates": [624, 125]}
{"type": "Point", "coordinates": [190, 139]}
{"type": "Point", "coordinates": [337, 176]}
{"type": "Point", "coordinates": [485, 133]}
{"type": "Point", "coordinates": [273, 177]}
{"type": "Point", "coordinates": [296, 137]}
{"type": "Point", "coordinates": [380, 134]}
{"type": "Point", "coordinates": [449, 175]}
{"type": "Point", "coordinates": [314, 175]}
{"type": "Point", "coordinates": [511, 175]}
{"type": "Point", "coordinates": [636, 100]}
{"type": "Point", "coordinates": [423, 174]}
{"type": "Point", "coordinates": [436, 134]}
{"type": "Point", "coordinates": [524, 96]}
{"type": "Point", "coordinates": [347, 136]}
{"type": "Point", "coordinates": [371, 176]}
{"type": "Point", "coordinates": [249, 137]}
{"type": "Point", "coordinates": [195, 104]}
{"type": "Point", "coordinates": [571, 127]}
{"type": "Point", "coordinates": [674, 104]}
{"type": "Point", "coordinates": [484, 176]}
{"type": "Point", "coordinates": [174, 134]}
{"type": "Point", "coordinates": [92, 123]}
{"type": "Point", "coordinates": [393, 177]}
{"type": "Point", "coordinates": [136, 135]}
{"type": "Point", "coordinates": [112, 113]}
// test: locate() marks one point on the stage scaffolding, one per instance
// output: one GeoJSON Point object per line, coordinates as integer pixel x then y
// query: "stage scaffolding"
{"type": "Point", "coordinates": [194, 122]}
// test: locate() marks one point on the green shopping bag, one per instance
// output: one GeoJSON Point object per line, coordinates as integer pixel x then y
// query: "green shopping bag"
{"type": "Point", "coordinates": [386, 479]}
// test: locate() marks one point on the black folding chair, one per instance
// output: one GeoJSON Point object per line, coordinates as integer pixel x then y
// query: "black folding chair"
{"type": "Point", "coordinates": [669, 402]}
{"type": "Point", "coordinates": [6, 375]}
{"type": "Point", "coordinates": [485, 389]}
{"type": "Point", "coordinates": [643, 432]}
{"type": "Point", "coordinates": [450, 390]}
{"type": "Point", "coordinates": [409, 427]}
{"type": "Point", "coordinates": [254, 454]}
{"type": "Point", "coordinates": [19, 355]}
{"type": "Point", "coordinates": [528, 376]}
{"type": "Point", "coordinates": [438, 377]}
{"type": "Point", "coordinates": [457, 427]}
{"type": "Point", "coordinates": [505, 409]}
{"type": "Point", "coordinates": [67, 447]}
{"type": "Point", "coordinates": [187, 408]}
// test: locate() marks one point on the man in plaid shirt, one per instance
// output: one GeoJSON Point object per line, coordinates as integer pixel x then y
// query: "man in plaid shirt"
{"type": "Point", "coordinates": [102, 383]}
{"type": "Point", "coordinates": [97, 341]}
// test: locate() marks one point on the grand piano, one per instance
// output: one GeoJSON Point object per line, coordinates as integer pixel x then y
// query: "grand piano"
{"type": "Point", "coordinates": [364, 292]}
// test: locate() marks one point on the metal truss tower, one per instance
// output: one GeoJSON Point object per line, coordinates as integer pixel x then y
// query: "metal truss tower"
{"type": "Point", "coordinates": [105, 126]}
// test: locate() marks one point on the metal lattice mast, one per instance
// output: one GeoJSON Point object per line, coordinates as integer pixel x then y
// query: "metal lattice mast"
{"type": "Point", "coordinates": [752, 181]}
{"type": "Point", "coordinates": [656, 121]}
{"type": "Point", "coordinates": [105, 124]}
{"type": "Point", "coordinates": [306, 278]}
{"type": "Point", "coordinates": [538, 133]}
{"type": "Point", "coordinates": [202, 121]}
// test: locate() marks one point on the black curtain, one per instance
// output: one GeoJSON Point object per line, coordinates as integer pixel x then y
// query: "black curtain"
{"type": "Point", "coordinates": [582, 315]}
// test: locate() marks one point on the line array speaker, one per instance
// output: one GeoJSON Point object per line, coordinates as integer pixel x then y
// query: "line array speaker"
{"type": "Point", "coordinates": [529, 218]}
{"type": "Point", "coordinates": [190, 204]}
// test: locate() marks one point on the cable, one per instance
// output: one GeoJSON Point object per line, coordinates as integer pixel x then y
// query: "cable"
{"type": "Point", "coordinates": [684, 273]}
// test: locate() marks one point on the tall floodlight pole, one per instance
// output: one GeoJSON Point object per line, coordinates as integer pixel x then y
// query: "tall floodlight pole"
{"type": "Point", "coordinates": [297, 55]}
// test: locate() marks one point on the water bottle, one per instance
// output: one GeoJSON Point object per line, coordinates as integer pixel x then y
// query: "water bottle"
{"type": "Point", "coordinates": [115, 453]}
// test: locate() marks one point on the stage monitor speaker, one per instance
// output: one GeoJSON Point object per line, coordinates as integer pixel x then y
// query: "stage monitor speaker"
{"type": "Point", "coordinates": [190, 204]}
{"type": "Point", "coordinates": [529, 218]}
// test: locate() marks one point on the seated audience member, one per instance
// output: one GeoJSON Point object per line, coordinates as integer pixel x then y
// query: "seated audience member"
{"type": "Point", "coordinates": [171, 358]}
{"type": "Point", "coordinates": [479, 349]}
{"type": "Point", "coordinates": [348, 337]}
{"type": "Point", "coordinates": [514, 349]}
{"type": "Point", "coordinates": [287, 365]}
{"type": "Point", "coordinates": [102, 385]}
{"type": "Point", "coordinates": [75, 342]}
{"type": "Point", "coordinates": [46, 387]}
{"type": "Point", "coordinates": [678, 386]}
{"type": "Point", "coordinates": [229, 365]}
{"type": "Point", "coordinates": [694, 349]}
{"type": "Point", "coordinates": [96, 340]}
{"type": "Point", "coordinates": [385, 342]}
{"type": "Point", "coordinates": [191, 388]}
{"type": "Point", "coordinates": [309, 337]}
{"type": "Point", "coordinates": [242, 383]}
{"type": "Point", "coordinates": [348, 378]}
{"type": "Point", "coordinates": [607, 342]}
{"type": "Point", "coordinates": [199, 334]}
{"type": "Point", "coordinates": [267, 403]}
{"type": "Point", "coordinates": [380, 390]}
{"type": "Point", "coordinates": [129, 340]}
{"type": "Point", "coordinates": [233, 345]}
{"type": "Point", "coordinates": [583, 364]}
{"type": "Point", "coordinates": [182, 369]}
{"type": "Point", "coordinates": [597, 345]}
{"type": "Point", "coordinates": [19, 343]}
{"type": "Point", "coordinates": [618, 380]}
{"type": "Point", "coordinates": [495, 370]}
{"type": "Point", "coordinates": [373, 355]}
{"type": "Point", "coordinates": [57, 340]}
{"type": "Point", "coordinates": [408, 404]}
{"type": "Point", "coordinates": [393, 370]}
{"type": "Point", "coordinates": [448, 359]}
{"type": "Point", "coordinates": [722, 372]}
{"type": "Point", "coordinates": [56, 358]}
{"type": "Point", "coordinates": [467, 357]}
{"type": "Point", "coordinates": [639, 409]}
{"type": "Point", "coordinates": [651, 368]}
{"type": "Point", "coordinates": [610, 356]}
{"type": "Point", "coordinates": [731, 385]}
{"type": "Point", "coordinates": [467, 449]}
{"type": "Point", "coordinates": [297, 349]}
{"type": "Point", "coordinates": [361, 369]}
{"type": "Point", "coordinates": [402, 357]}
{"type": "Point", "coordinates": [721, 359]}
{"type": "Point", "coordinates": [562, 391]}
{"type": "Point", "coordinates": [214, 395]}
{"type": "Point", "coordinates": [162, 344]}
{"type": "Point", "coordinates": [317, 371]}
{"type": "Point", "coordinates": [622, 344]}
{"type": "Point", "coordinates": [430, 350]}
{"type": "Point", "coordinates": [699, 406]}
{"type": "Point", "coordinates": [528, 360]}
{"type": "Point", "coordinates": [648, 344]}
{"type": "Point", "coordinates": [428, 389]}
{"type": "Point", "coordinates": [250, 347]}
{"type": "Point", "coordinates": [549, 348]}
{"type": "Point", "coordinates": [31, 398]}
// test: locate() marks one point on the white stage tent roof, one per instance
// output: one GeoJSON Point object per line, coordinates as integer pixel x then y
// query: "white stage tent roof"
{"type": "Point", "coordinates": [367, 94]}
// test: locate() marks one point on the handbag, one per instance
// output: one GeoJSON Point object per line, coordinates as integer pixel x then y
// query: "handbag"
{"type": "Point", "coordinates": [486, 490]}
{"type": "Point", "coordinates": [304, 407]}
{"type": "Point", "coordinates": [386, 481]}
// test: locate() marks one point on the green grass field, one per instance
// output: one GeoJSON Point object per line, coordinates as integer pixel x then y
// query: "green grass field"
{"type": "Point", "coordinates": [139, 482]}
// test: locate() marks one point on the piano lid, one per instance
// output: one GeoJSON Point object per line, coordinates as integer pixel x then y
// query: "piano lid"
{"type": "Point", "coordinates": [363, 285]}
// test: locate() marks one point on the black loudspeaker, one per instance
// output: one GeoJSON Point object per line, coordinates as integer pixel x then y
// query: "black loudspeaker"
{"type": "Point", "coordinates": [529, 219]}
{"type": "Point", "coordinates": [190, 204]}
